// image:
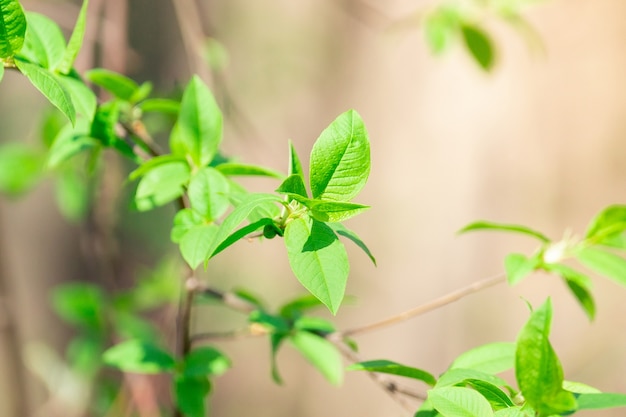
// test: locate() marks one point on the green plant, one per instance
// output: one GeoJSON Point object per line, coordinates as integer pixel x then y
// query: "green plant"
{"type": "Point", "coordinates": [214, 211]}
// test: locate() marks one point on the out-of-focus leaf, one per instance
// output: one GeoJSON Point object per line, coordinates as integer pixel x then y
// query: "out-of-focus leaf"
{"type": "Point", "coordinates": [20, 168]}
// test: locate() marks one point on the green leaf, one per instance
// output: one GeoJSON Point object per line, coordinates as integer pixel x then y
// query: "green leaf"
{"type": "Point", "coordinates": [12, 27]}
{"type": "Point", "coordinates": [75, 42]}
{"type": "Point", "coordinates": [334, 212]}
{"type": "Point", "coordinates": [511, 412]}
{"type": "Point", "coordinates": [497, 398]}
{"type": "Point", "coordinates": [578, 283]}
{"type": "Point", "coordinates": [247, 205]}
{"type": "Point", "coordinates": [439, 27]}
{"type": "Point", "coordinates": [150, 164]}
{"type": "Point", "coordinates": [293, 184]}
{"type": "Point", "coordinates": [321, 354]}
{"type": "Point", "coordinates": [138, 356]}
{"type": "Point", "coordinates": [205, 361]}
{"type": "Point", "coordinates": [196, 243]}
{"type": "Point", "coordinates": [72, 194]}
{"type": "Point", "coordinates": [295, 166]}
{"type": "Point", "coordinates": [579, 388]}
{"type": "Point", "coordinates": [318, 260]}
{"type": "Point", "coordinates": [479, 45]}
{"type": "Point", "coordinates": [190, 394]}
{"type": "Point", "coordinates": [69, 142]}
{"type": "Point", "coordinates": [518, 267]}
{"type": "Point", "coordinates": [162, 184]}
{"type": "Point", "coordinates": [604, 263]}
{"type": "Point", "coordinates": [49, 85]}
{"type": "Point", "coordinates": [485, 225]}
{"type": "Point", "coordinates": [492, 358]}
{"type": "Point", "coordinates": [606, 225]}
{"type": "Point", "coordinates": [340, 159]}
{"type": "Point", "coordinates": [342, 230]}
{"type": "Point", "coordinates": [208, 193]}
{"type": "Point", "coordinates": [184, 221]}
{"type": "Point", "coordinates": [198, 131]}
{"type": "Point", "coordinates": [83, 98]}
{"type": "Point", "coordinates": [276, 340]}
{"type": "Point", "coordinates": [296, 307]}
{"type": "Point", "coordinates": [160, 105]}
{"type": "Point", "coordinates": [44, 43]}
{"type": "Point", "coordinates": [243, 232]}
{"type": "Point", "coordinates": [272, 322]}
{"type": "Point", "coordinates": [104, 123]}
{"type": "Point", "coordinates": [456, 376]}
{"type": "Point", "coordinates": [537, 368]}
{"type": "Point", "coordinates": [600, 401]}
{"type": "Point", "coordinates": [315, 325]}
{"type": "Point", "coordinates": [235, 169]}
{"type": "Point", "coordinates": [393, 368]}
{"type": "Point", "coordinates": [117, 84]}
{"type": "Point", "coordinates": [80, 304]}
{"type": "Point", "coordinates": [459, 402]}
{"type": "Point", "coordinates": [20, 168]}
{"type": "Point", "coordinates": [427, 410]}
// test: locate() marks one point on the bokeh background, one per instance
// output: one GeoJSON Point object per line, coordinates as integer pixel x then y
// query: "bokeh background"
{"type": "Point", "coordinates": [540, 141]}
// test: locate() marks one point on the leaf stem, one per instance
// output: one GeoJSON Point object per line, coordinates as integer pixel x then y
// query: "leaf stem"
{"type": "Point", "coordinates": [427, 307]}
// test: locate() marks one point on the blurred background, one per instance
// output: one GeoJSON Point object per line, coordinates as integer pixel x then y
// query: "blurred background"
{"type": "Point", "coordinates": [538, 140]}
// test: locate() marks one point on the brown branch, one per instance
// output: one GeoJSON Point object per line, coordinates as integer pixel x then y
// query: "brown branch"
{"type": "Point", "coordinates": [427, 307]}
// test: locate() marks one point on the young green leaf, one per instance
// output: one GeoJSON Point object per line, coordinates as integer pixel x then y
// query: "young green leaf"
{"type": "Point", "coordinates": [393, 368]}
{"type": "Point", "coordinates": [184, 221]}
{"type": "Point", "coordinates": [69, 142]}
{"type": "Point", "coordinates": [293, 185]}
{"type": "Point", "coordinates": [162, 184]}
{"type": "Point", "coordinates": [208, 193]}
{"type": "Point", "coordinates": [497, 398]}
{"type": "Point", "coordinates": [150, 164]}
{"type": "Point", "coordinates": [160, 105]}
{"type": "Point", "coordinates": [296, 307]}
{"type": "Point", "coordinates": [205, 361]}
{"type": "Point", "coordinates": [457, 376]}
{"type": "Point", "coordinates": [198, 131]}
{"type": "Point", "coordinates": [75, 42]}
{"type": "Point", "coordinates": [82, 96]}
{"type": "Point", "coordinates": [485, 225]}
{"type": "Point", "coordinates": [459, 402]}
{"type": "Point", "coordinates": [20, 168]}
{"type": "Point", "coordinates": [600, 401]}
{"type": "Point", "coordinates": [44, 43]}
{"type": "Point", "coordinates": [138, 356]}
{"type": "Point", "coordinates": [72, 193]}
{"type": "Point", "coordinates": [321, 354]}
{"type": "Point", "coordinates": [196, 243]}
{"type": "Point", "coordinates": [537, 368]}
{"type": "Point", "coordinates": [239, 234]}
{"type": "Point", "coordinates": [607, 224]}
{"type": "Point", "coordinates": [579, 388]}
{"type": "Point", "coordinates": [190, 394]}
{"type": "Point", "coordinates": [236, 169]}
{"type": "Point", "coordinates": [518, 267]}
{"type": "Point", "coordinates": [315, 325]}
{"type": "Point", "coordinates": [605, 263]}
{"type": "Point", "coordinates": [578, 283]}
{"type": "Point", "coordinates": [492, 358]}
{"type": "Point", "coordinates": [479, 45]}
{"type": "Point", "coordinates": [340, 159]}
{"type": "Point", "coordinates": [12, 27]}
{"type": "Point", "coordinates": [318, 260]}
{"type": "Point", "coordinates": [47, 83]}
{"type": "Point", "coordinates": [117, 84]}
{"type": "Point", "coordinates": [80, 304]}
{"type": "Point", "coordinates": [295, 166]}
{"type": "Point", "coordinates": [512, 412]}
{"type": "Point", "coordinates": [342, 230]}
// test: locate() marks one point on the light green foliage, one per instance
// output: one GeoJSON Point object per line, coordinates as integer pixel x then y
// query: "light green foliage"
{"type": "Point", "coordinates": [75, 42]}
{"type": "Point", "coordinates": [393, 368]}
{"type": "Point", "coordinates": [342, 230]}
{"type": "Point", "coordinates": [44, 43]}
{"type": "Point", "coordinates": [197, 242]}
{"type": "Point", "coordinates": [190, 394]}
{"type": "Point", "coordinates": [139, 356]}
{"type": "Point", "coordinates": [606, 263]}
{"type": "Point", "coordinates": [12, 28]}
{"type": "Point", "coordinates": [459, 402]}
{"type": "Point", "coordinates": [117, 84]}
{"type": "Point", "coordinates": [80, 304]}
{"type": "Point", "coordinates": [492, 358]}
{"type": "Point", "coordinates": [208, 193]}
{"type": "Point", "coordinates": [321, 354]}
{"type": "Point", "coordinates": [20, 168]}
{"type": "Point", "coordinates": [162, 184]}
{"type": "Point", "coordinates": [518, 266]}
{"type": "Point", "coordinates": [537, 368]}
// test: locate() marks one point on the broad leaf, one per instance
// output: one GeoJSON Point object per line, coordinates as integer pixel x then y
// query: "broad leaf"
{"type": "Point", "coordinates": [82, 96]}
{"type": "Point", "coordinates": [427, 410]}
{"type": "Point", "coordinates": [138, 356]}
{"type": "Point", "coordinates": [479, 45]}
{"type": "Point", "coordinates": [190, 394]}
{"type": "Point", "coordinates": [205, 361]}
{"type": "Point", "coordinates": [340, 159]}
{"type": "Point", "coordinates": [322, 354]}
{"type": "Point", "coordinates": [184, 221]}
{"type": "Point", "coordinates": [20, 168]}
{"type": "Point", "coordinates": [196, 243]}
{"type": "Point", "coordinates": [44, 43]}
{"type": "Point", "coordinates": [235, 169]}
{"type": "Point", "coordinates": [492, 358]}
{"type": "Point", "coordinates": [607, 224]}
{"type": "Point", "coordinates": [393, 368]}
{"type": "Point", "coordinates": [600, 401]}
{"type": "Point", "coordinates": [512, 412]}
{"type": "Point", "coordinates": [318, 260]}
{"type": "Point", "coordinates": [12, 27]}
{"type": "Point", "coordinates": [459, 402]}
{"type": "Point", "coordinates": [518, 267]}
{"type": "Point", "coordinates": [342, 230]}
{"type": "Point", "coordinates": [162, 184]}
{"type": "Point", "coordinates": [75, 42]}
{"type": "Point", "coordinates": [48, 84]}
{"type": "Point", "coordinates": [198, 131]}
{"type": "Point", "coordinates": [537, 368]}
{"type": "Point", "coordinates": [605, 263]}
{"type": "Point", "coordinates": [208, 193]}
{"type": "Point", "coordinates": [117, 84]}
{"type": "Point", "coordinates": [485, 225]}
{"type": "Point", "coordinates": [72, 193]}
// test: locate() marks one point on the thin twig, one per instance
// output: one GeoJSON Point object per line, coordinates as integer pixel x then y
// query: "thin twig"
{"type": "Point", "coordinates": [429, 306]}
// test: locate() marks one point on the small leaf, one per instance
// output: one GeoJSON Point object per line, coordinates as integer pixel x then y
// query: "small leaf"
{"type": "Point", "coordinates": [83, 98]}
{"type": "Point", "coordinates": [80, 304]}
{"type": "Point", "coordinates": [393, 368]}
{"type": "Point", "coordinates": [604, 263]}
{"type": "Point", "coordinates": [578, 283]}
{"type": "Point", "coordinates": [296, 307]}
{"type": "Point", "coordinates": [318, 260]}
{"type": "Point", "coordinates": [164, 183]}
{"type": "Point", "coordinates": [293, 184]}
{"type": "Point", "coordinates": [579, 388]}
{"type": "Point", "coordinates": [44, 43]}
{"type": "Point", "coordinates": [235, 169]}
{"type": "Point", "coordinates": [321, 354]}
{"type": "Point", "coordinates": [600, 401]}
{"type": "Point", "coordinates": [295, 166]}
{"type": "Point", "coordinates": [198, 131]}
{"type": "Point", "coordinates": [20, 168]}
{"type": "Point", "coordinates": [12, 27]}
{"type": "Point", "coordinates": [208, 193]}
{"type": "Point", "coordinates": [243, 232]}
{"type": "Point", "coordinates": [497, 398]}
{"type": "Point", "coordinates": [340, 159]}
{"type": "Point", "coordinates": [316, 325]}
{"type": "Point", "coordinates": [459, 402]}
{"type": "Point", "coordinates": [607, 224]}
{"type": "Point", "coordinates": [72, 194]}
{"type": "Point", "coordinates": [485, 225]}
{"type": "Point", "coordinates": [492, 358]}
{"type": "Point", "coordinates": [117, 84]}
{"type": "Point", "coordinates": [439, 27]}
{"type": "Point", "coordinates": [138, 356]}
{"type": "Point", "coordinates": [205, 361]}
{"type": "Point", "coordinates": [512, 412]}
{"type": "Point", "coordinates": [76, 41]}
{"type": "Point", "coordinates": [160, 105]}
{"type": "Point", "coordinates": [47, 83]}
{"type": "Point", "coordinates": [69, 142]}
{"type": "Point", "coordinates": [456, 376]}
{"type": "Point", "coordinates": [184, 221]}
{"type": "Point", "coordinates": [151, 163]}
{"type": "Point", "coordinates": [195, 244]}
{"type": "Point", "coordinates": [190, 394]}
{"type": "Point", "coordinates": [479, 44]}
{"type": "Point", "coordinates": [518, 267]}
{"type": "Point", "coordinates": [342, 230]}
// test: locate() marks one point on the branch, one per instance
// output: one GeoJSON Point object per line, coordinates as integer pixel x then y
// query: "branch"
{"type": "Point", "coordinates": [427, 307]}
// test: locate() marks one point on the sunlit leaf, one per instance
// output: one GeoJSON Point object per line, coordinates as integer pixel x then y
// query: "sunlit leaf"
{"type": "Point", "coordinates": [492, 358]}
{"type": "Point", "coordinates": [75, 42]}
{"type": "Point", "coordinates": [393, 368]}
{"type": "Point", "coordinates": [322, 354]}
{"type": "Point", "coordinates": [459, 402]}
{"type": "Point", "coordinates": [138, 356]}
{"type": "Point", "coordinates": [12, 27]}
